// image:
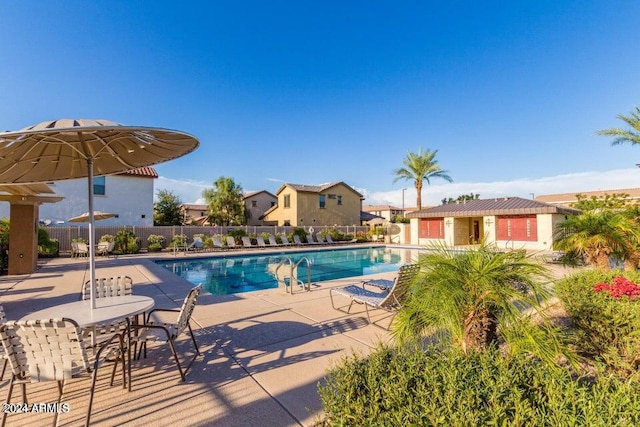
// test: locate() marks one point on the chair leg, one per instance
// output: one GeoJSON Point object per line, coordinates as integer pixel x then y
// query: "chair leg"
{"type": "Point", "coordinates": [94, 377]}
{"type": "Point", "coordinates": [4, 368]}
{"type": "Point", "coordinates": [193, 338]}
{"type": "Point", "coordinates": [4, 413]}
{"type": "Point", "coordinates": [175, 356]}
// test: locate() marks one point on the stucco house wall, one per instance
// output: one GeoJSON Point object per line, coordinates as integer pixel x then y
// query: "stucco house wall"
{"type": "Point", "coordinates": [342, 205]}
{"type": "Point", "coordinates": [128, 196]}
{"type": "Point", "coordinates": [256, 204]}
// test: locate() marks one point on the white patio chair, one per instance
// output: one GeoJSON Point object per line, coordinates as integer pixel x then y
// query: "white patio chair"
{"type": "Point", "coordinates": [157, 330]}
{"type": "Point", "coordinates": [107, 287]}
{"type": "Point", "coordinates": [53, 350]}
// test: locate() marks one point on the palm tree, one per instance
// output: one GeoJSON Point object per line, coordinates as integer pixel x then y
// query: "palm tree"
{"type": "Point", "coordinates": [473, 299]}
{"type": "Point", "coordinates": [596, 235]}
{"type": "Point", "coordinates": [420, 167]}
{"type": "Point", "coordinates": [625, 135]}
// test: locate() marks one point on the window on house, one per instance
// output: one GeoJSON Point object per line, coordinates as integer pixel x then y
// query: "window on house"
{"type": "Point", "coordinates": [323, 200]}
{"type": "Point", "coordinates": [273, 204]}
{"type": "Point", "coordinates": [287, 223]}
{"type": "Point", "coordinates": [339, 200]}
{"type": "Point", "coordinates": [287, 201]}
{"type": "Point", "coordinates": [99, 186]}
{"type": "Point", "coordinates": [254, 203]}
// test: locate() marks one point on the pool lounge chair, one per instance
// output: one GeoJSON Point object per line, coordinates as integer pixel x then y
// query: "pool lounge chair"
{"type": "Point", "coordinates": [310, 240]}
{"type": "Point", "coordinates": [261, 243]}
{"type": "Point", "coordinates": [246, 242]}
{"type": "Point", "coordinates": [320, 240]}
{"type": "Point", "coordinates": [196, 245]}
{"type": "Point", "coordinates": [217, 243]}
{"type": "Point", "coordinates": [285, 241]}
{"type": "Point", "coordinates": [390, 300]}
{"type": "Point", "coordinates": [273, 242]}
{"type": "Point", "coordinates": [231, 242]}
{"type": "Point", "coordinates": [297, 241]}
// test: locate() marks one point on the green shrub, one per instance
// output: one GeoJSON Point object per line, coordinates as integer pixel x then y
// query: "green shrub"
{"type": "Point", "coordinates": [107, 238]}
{"type": "Point", "coordinates": [300, 232]}
{"type": "Point", "coordinates": [47, 248]}
{"type": "Point", "coordinates": [178, 240]}
{"type": "Point", "coordinates": [237, 233]}
{"type": "Point", "coordinates": [606, 328]}
{"type": "Point", "coordinates": [406, 386]}
{"type": "Point", "coordinates": [126, 242]}
{"type": "Point", "coordinates": [155, 242]}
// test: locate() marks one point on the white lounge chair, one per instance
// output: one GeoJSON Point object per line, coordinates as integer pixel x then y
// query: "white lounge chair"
{"type": "Point", "coordinates": [272, 241]}
{"type": "Point", "coordinates": [297, 241]}
{"type": "Point", "coordinates": [231, 242]}
{"type": "Point", "coordinates": [310, 240]}
{"type": "Point", "coordinates": [261, 243]}
{"type": "Point", "coordinates": [390, 300]}
{"type": "Point", "coordinates": [196, 245]}
{"type": "Point", "coordinates": [285, 241]}
{"type": "Point", "coordinates": [246, 242]}
{"type": "Point", "coordinates": [217, 243]}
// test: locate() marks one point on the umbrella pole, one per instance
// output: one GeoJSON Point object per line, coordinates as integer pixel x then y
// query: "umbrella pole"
{"type": "Point", "coordinates": [92, 236]}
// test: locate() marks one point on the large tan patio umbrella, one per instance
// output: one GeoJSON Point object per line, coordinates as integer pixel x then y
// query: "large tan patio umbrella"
{"type": "Point", "coordinates": [68, 149]}
{"type": "Point", "coordinates": [97, 216]}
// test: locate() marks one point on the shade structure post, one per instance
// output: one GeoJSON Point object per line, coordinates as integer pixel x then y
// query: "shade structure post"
{"type": "Point", "coordinates": [92, 234]}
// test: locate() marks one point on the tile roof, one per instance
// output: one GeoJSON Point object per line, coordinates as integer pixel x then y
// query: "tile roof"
{"type": "Point", "coordinates": [253, 193]}
{"type": "Point", "coordinates": [498, 206]}
{"type": "Point", "coordinates": [146, 171]}
{"type": "Point", "coordinates": [316, 188]}
{"type": "Point", "coordinates": [633, 193]}
{"type": "Point", "coordinates": [369, 208]}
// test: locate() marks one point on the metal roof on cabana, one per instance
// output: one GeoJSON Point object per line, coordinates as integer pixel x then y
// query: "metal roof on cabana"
{"type": "Point", "coordinates": [497, 206]}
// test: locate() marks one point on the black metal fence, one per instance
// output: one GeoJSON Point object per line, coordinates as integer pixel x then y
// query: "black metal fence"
{"type": "Point", "coordinates": [66, 234]}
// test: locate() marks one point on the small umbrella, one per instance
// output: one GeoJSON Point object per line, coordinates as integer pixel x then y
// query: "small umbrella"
{"type": "Point", "coordinates": [68, 149]}
{"type": "Point", "coordinates": [97, 216]}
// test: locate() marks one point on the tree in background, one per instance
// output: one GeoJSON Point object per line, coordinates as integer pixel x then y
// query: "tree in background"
{"type": "Point", "coordinates": [608, 201]}
{"type": "Point", "coordinates": [620, 135]}
{"type": "Point", "coordinates": [420, 168]}
{"type": "Point", "coordinates": [461, 198]}
{"type": "Point", "coordinates": [225, 202]}
{"type": "Point", "coordinates": [166, 210]}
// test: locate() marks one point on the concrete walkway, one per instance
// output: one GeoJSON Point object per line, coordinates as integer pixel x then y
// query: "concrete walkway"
{"type": "Point", "coordinates": [263, 353]}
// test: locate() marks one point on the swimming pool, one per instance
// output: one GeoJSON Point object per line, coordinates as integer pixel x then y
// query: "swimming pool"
{"type": "Point", "coordinates": [231, 274]}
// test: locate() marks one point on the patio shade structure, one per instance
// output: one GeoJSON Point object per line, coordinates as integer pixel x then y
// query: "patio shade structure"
{"type": "Point", "coordinates": [69, 149]}
{"type": "Point", "coordinates": [97, 216]}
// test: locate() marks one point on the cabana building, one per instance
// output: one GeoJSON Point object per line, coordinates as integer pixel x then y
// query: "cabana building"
{"type": "Point", "coordinates": [509, 222]}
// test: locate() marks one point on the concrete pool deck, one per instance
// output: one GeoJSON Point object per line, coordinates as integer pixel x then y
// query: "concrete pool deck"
{"type": "Point", "coordinates": [263, 352]}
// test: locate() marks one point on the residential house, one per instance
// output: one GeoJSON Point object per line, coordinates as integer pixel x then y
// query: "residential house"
{"type": "Point", "coordinates": [129, 195]}
{"type": "Point", "coordinates": [308, 205]}
{"type": "Point", "coordinates": [256, 204]}
{"type": "Point", "coordinates": [509, 222]}
{"type": "Point", "coordinates": [387, 212]}
{"type": "Point", "coordinates": [570, 199]}
{"type": "Point", "coordinates": [194, 213]}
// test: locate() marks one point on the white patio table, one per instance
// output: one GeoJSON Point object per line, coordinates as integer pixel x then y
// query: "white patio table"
{"type": "Point", "coordinates": [107, 310]}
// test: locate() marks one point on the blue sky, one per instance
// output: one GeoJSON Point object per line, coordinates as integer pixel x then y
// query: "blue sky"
{"type": "Point", "coordinates": [509, 93]}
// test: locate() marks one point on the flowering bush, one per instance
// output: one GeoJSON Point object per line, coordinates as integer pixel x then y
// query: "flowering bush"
{"type": "Point", "coordinates": [620, 286]}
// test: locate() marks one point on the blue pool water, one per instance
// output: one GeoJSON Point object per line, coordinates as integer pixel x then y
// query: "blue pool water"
{"type": "Point", "coordinates": [229, 274]}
